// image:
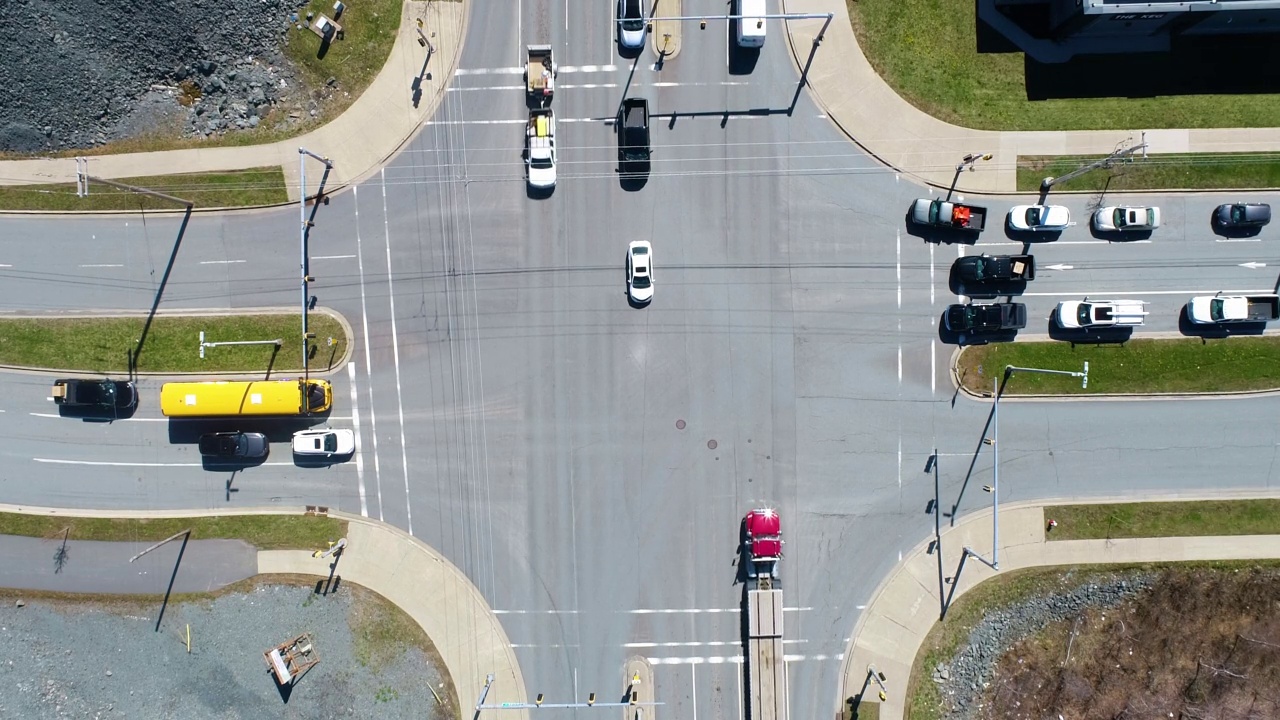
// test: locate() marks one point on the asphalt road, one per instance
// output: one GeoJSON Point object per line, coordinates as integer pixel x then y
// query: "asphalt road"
{"type": "Point", "coordinates": [586, 463]}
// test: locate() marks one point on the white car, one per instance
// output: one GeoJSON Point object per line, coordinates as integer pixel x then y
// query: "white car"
{"type": "Point", "coordinates": [1039, 218]}
{"type": "Point", "coordinates": [631, 23]}
{"type": "Point", "coordinates": [324, 443]}
{"type": "Point", "coordinates": [1121, 219]}
{"type": "Point", "coordinates": [640, 272]}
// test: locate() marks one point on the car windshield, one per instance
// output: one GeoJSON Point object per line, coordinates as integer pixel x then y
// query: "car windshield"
{"type": "Point", "coordinates": [316, 397]}
{"type": "Point", "coordinates": [1083, 313]}
{"type": "Point", "coordinates": [640, 281]}
{"type": "Point", "coordinates": [240, 443]}
{"type": "Point", "coordinates": [1120, 218]}
{"type": "Point", "coordinates": [1033, 216]}
{"type": "Point", "coordinates": [631, 19]}
{"type": "Point", "coordinates": [331, 442]}
{"type": "Point", "coordinates": [1237, 213]}
{"type": "Point", "coordinates": [1215, 308]}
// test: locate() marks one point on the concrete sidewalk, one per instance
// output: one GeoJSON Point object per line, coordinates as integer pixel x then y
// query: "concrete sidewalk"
{"type": "Point", "coordinates": [906, 605]}
{"type": "Point", "coordinates": [874, 116]}
{"type": "Point", "coordinates": [358, 142]}
{"type": "Point", "coordinates": [397, 566]}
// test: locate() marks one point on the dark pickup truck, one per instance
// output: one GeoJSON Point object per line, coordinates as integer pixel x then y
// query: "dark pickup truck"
{"type": "Point", "coordinates": [96, 393]}
{"type": "Point", "coordinates": [996, 268]}
{"type": "Point", "coordinates": [986, 318]}
{"type": "Point", "coordinates": [633, 136]}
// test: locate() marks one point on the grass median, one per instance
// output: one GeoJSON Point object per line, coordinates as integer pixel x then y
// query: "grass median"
{"type": "Point", "coordinates": [236, 188]}
{"type": "Point", "coordinates": [265, 532]}
{"type": "Point", "coordinates": [172, 343]}
{"type": "Point", "coordinates": [1157, 172]}
{"type": "Point", "coordinates": [1138, 366]}
{"type": "Point", "coordinates": [928, 52]}
{"type": "Point", "coordinates": [1165, 519]}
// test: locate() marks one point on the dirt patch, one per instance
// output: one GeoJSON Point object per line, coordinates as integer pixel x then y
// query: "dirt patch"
{"type": "Point", "coordinates": [1201, 643]}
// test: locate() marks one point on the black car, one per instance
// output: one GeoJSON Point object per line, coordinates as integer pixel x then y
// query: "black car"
{"type": "Point", "coordinates": [1242, 215]}
{"type": "Point", "coordinates": [986, 318]}
{"type": "Point", "coordinates": [234, 445]}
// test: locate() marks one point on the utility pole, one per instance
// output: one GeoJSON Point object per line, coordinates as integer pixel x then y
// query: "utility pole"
{"type": "Point", "coordinates": [305, 228]}
{"type": "Point", "coordinates": [1120, 153]}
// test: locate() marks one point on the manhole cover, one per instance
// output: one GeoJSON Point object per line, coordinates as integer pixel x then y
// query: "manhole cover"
{"type": "Point", "coordinates": [712, 444]}
{"type": "Point", "coordinates": [679, 424]}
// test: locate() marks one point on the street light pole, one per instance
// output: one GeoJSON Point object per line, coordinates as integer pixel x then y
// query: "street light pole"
{"type": "Point", "coordinates": [970, 160]}
{"type": "Point", "coordinates": [998, 387]}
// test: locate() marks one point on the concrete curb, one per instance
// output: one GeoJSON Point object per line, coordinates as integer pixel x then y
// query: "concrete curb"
{"type": "Point", "coordinates": [404, 570]}
{"type": "Point", "coordinates": [904, 607]}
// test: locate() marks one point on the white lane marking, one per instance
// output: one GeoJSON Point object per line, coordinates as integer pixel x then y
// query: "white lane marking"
{"type": "Point", "coordinates": [1120, 293]}
{"type": "Point", "coordinates": [726, 659]}
{"type": "Point", "coordinates": [699, 643]}
{"type": "Point", "coordinates": [395, 355]}
{"type": "Point", "coordinates": [693, 683]}
{"type": "Point", "coordinates": [5, 266]}
{"type": "Point", "coordinates": [1237, 239]}
{"type": "Point", "coordinates": [563, 121]}
{"type": "Point", "coordinates": [595, 86]}
{"type": "Point", "coordinates": [351, 375]}
{"type": "Point", "coordinates": [104, 463]}
{"type": "Point", "coordinates": [536, 612]}
{"type": "Point", "coordinates": [898, 267]}
{"type": "Point", "coordinates": [221, 262]}
{"type": "Point", "coordinates": [899, 462]}
{"type": "Point", "coordinates": [1059, 266]}
{"type": "Point", "coordinates": [1072, 242]}
{"type": "Point", "coordinates": [332, 257]}
{"type": "Point", "coordinates": [519, 70]}
{"type": "Point", "coordinates": [648, 611]}
{"type": "Point", "coordinates": [368, 360]}
{"type": "Point", "coordinates": [98, 265]}
{"type": "Point", "coordinates": [1253, 265]}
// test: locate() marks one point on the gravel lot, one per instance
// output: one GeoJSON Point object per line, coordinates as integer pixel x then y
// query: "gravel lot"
{"type": "Point", "coordinates": [66, 659]}
{"type": "Point", "coordinates": [84, 72]}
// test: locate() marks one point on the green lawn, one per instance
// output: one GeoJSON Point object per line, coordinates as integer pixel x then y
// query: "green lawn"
{"type": "Point", "coordinates": [1138, 366]}
{"type": "Point", "coordinates": [266, 532]}
{"type": "Point", "coordinates": [239, 188]}
{"type": "Point", "coordinates": [172, 344]}
{"type": "Point", "coordinates": [369, 31]}
{"type": "Point", "coordinates": [1157, 172]}
{"type": "Point", "coordinates": [926, 50]}
{"type": "Point", "coordinates": [1165, 519]}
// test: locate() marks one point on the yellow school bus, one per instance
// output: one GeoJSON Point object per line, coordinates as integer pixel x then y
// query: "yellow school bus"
{"type": "Point", "coordinates": [230, 399]}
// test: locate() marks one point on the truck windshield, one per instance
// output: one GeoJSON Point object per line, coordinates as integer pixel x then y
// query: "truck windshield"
{"type": "Point", "coordinates": [1215, 309]}
{"type": "Point", "coordinates": [1084, 315]}
{"type": "Point", "coordinates": [980, 268]}
{"type": "Point", "coordinates": [315, 397]}
{"type": "Point", "coordinates": [541, 163]}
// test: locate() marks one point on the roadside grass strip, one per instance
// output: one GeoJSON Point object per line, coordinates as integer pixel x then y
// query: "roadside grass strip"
{"type": "Point", "coordinates": [172, 343]}
{"type": "Point", "coordinates": [1156, 172]}
{"type": "Point", "coordinates": [928, 52]}
{"type": "Point", "coordinates": [1165, 519]}
{"type": "Point", "coordinates": [235, 188]}
{"type": "Point", "coordinates": [265, 532]}
{"type": "Point", "coordinates": [1138, 366]}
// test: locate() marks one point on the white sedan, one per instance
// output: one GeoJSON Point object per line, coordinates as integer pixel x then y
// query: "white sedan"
{"type": "Point", "coordinates": [324, 443]}
{"type": "Point", "coordinates": [1036, 218]}
{"type": "Point", "coordinates": [1126, 219]}
{"type": "Point", "coordinates": [640, 272]}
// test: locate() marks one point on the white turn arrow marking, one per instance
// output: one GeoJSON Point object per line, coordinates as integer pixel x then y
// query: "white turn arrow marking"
{"type": "Point", "coordinates": [1058, 267]}
{"type": "Point", "coordinates": [1253, 265]}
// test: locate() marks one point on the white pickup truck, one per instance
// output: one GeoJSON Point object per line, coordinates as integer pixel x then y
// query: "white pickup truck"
{"type": "Point", "coordinates": [1225, 309]}
{"type": "Point", "coordinates": [1085, 314]}
{"type": "Point", "coordinates": [541, 148]}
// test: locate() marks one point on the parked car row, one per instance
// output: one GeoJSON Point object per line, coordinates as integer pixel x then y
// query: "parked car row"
{"type": "Point", "coordinates": [1056, 218]}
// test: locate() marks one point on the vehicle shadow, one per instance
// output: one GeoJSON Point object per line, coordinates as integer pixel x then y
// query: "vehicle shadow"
{"type": "Point", "coordinates": [304, 461]}
{"type": "Point", "coordinates": [1031, 237]}
{"type": "Point", "coordinates": [1217, 332]}
{"type": "Point", "coordinates": [188, 432]}
{"type": "Point", "coordinates": [742, 61]}
{"type": "Point", "coordinates": [984, 290]}
{"type": "Point", "coordinates": [1119, 236]}
{"type": "Point", "coordinates": [96, 414]}
{"type": "Point", "coordinates": [213, 464]}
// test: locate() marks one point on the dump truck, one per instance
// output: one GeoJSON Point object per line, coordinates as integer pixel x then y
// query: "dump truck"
{"type": "Point", "coordinates": [540, 74]}
{"type": "Point", "coordinates": [1086, 314]}
{"type": "Point", "coordinates": [94, 393]}
{"type": "Point", "coordinates": [1226, 309]}
{"type": "Point", "coordinates": [766, 664]}
{"type": "Point", "coordinates": [946, 214]}
{"type": "Point", "coordinates": [996, 268]}
{"type": "Point", "coordinates": [540, 151]}
{"type": "Point", "coordinates": [633, 136]}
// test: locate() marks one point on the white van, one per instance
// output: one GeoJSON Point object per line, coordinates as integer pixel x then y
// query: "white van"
{"type": "Point", "coordinates": [751, 24]}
